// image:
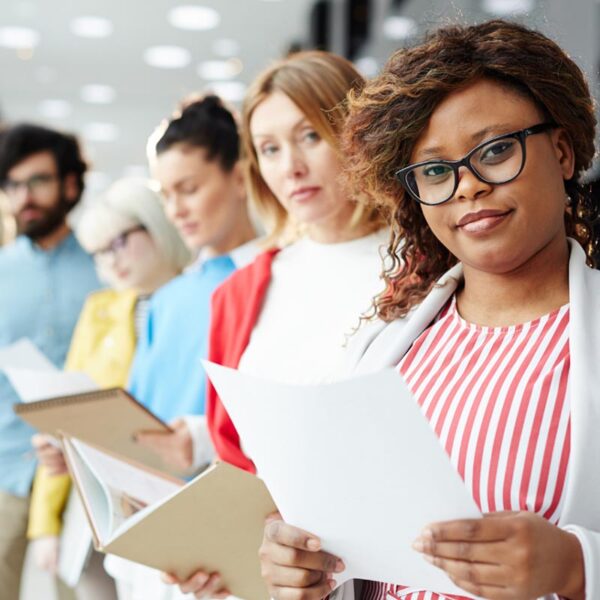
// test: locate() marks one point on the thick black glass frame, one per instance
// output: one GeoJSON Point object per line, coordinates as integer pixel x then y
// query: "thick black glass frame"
{"type": "Point", "coordinates": [521, 136]}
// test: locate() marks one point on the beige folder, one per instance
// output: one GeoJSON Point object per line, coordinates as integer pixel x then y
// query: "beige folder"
{"type": "Point", "coordinates": [214, 523]}
{"type": "Point", "coordinates": [107, 418]}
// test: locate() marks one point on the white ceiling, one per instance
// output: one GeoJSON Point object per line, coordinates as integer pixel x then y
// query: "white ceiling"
{"type": "Point", "coordinates": [62, 63]}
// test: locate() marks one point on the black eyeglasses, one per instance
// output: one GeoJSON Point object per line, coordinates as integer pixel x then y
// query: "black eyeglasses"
{"type": "Point", "coordinates": [35, 184]}
{"type": "Point", "coordinates": [496, 161]}
{"type": "Point", "coordinates": [118, 243]}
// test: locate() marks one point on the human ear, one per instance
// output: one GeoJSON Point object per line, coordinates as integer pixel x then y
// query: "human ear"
{"type": "Point", "coordinates": [71, 187]}
{"type": "Point", "coordinates": [565, 155]}
{"type": "Point", "coordinates": [239, 178]}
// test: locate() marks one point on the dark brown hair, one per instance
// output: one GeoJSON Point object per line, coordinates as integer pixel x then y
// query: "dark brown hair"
{"type": "Point", "coordinates": [393, 109]}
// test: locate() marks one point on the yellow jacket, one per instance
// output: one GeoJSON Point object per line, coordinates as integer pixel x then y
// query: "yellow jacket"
{"type": "Point", "coordinates": [102, 346]}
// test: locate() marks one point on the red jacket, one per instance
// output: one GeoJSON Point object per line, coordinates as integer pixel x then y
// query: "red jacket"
{"type": "Point", "coordinates": [235, 307]}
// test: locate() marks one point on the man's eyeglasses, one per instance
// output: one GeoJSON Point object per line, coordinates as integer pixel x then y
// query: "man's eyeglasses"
{"type": "Point", "coordinates": [34, 184]}
{"type": "Point", "coordinates": [117, 244]}
{"type": "Point", "coordinates": [496, 161]}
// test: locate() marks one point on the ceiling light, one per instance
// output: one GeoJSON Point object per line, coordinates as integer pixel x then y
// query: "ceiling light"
{"type": "Point", "coordinates": [19, 37]}
{"type": "Point", "coordinates": [91, 27]}
{"type": "Point", "coordinates": [101, 132]}
{"type": "Point", "coordinates": [226, 48]}
{"type": "Point", "coordinates": [231, 91]}
{"type": "Point", "coordinates": [220, 69]}
{"type": "Point", "coordinates": [96, 93]}
{"type": "Point", "coordinates": [508, 7]}
{"type": "Point", "coordinates": [399, 28]}
{"type": "Point", "coordinates": [167, 57]}
{"type": "Point", "coordinates": [367, 66]}
{"type": "Point", "coordinates": [196, 18]}
{"type": "Point", "coordinates": [55, 109]}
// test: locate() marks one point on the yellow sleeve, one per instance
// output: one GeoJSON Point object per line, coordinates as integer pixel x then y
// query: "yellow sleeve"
{"type": "Point", "coordinates": [48, 499]}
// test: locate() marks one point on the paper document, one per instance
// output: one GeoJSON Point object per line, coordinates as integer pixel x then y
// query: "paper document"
{"type": "Point", "coordinates": [354, 462]}
{"type": "Point", "coordinates": [24, 354]}
{"type": "Point", "coordinates": [32, 385]}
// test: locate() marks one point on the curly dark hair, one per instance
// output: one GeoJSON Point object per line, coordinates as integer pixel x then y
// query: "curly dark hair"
{"type": "Point", "coordinates": [391, 112]}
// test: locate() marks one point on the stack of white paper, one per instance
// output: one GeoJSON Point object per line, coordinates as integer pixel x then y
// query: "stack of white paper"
{"type": "Point", "coordinates": [353, 462]}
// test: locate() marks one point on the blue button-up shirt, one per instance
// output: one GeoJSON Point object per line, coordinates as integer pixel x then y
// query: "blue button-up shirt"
{"type": "Point", "coordinates": [167, 374]}
{"type": "Point", "coordinates": [41, 295]}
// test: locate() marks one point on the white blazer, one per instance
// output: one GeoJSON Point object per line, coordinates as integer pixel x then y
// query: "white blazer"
{"type": "Point", "coordinates": [379, 345]}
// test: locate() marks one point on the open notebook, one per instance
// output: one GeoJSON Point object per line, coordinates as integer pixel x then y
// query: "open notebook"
{"type": "Point", "coordinates": [214, 522]}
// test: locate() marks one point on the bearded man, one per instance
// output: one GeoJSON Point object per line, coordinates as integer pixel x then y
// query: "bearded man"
{"type": "Point", "coordinates": [44, 278]}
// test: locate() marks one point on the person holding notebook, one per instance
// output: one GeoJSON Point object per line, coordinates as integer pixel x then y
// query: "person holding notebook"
{"type": "Point", "coordinates": [475, 140]}
{"type": "Point", "coordinates": [286, 316]}
{"type": "Point", "coordinates": [136, 251]}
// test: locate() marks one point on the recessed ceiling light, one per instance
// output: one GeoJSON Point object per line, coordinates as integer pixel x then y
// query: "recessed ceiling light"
{"type": "Point", "coordinates": [167, 57]}
{"type": "Point", "coordinates": [55, 108]}
{"type": "Point", "coordinates": [399, 28]}
{"type": "Point", "coordinates": [101, 132]}
{"type": "Point", "coordinates": [91, 27]}
{"type": "Point", "coordinates": [231, 91]}
{"type": "Point", "coordinates": [508, 7]}
{"type": "Point", "coordinates": [196, 18]}
{"type": "Point", "coordinates": [96, 93]}
{"type": "Point", "coordinates": [19, 37]}
{"type": "Point", "coordinates": [226, 48]}
{"type": "Point", "coordinates": [220, 69]}
{"type": "Point", "coordinates": [368, 66]}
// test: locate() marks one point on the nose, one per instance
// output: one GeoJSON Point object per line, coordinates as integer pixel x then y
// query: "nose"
{"type": "Point", "coordinates": [176, 207]}
{"type": "Point", "coordinates": [470, 187]}
{"type": "Point", "coordinates": [295, 164]}
{"type": "Point", "coordinates": [20, 197]}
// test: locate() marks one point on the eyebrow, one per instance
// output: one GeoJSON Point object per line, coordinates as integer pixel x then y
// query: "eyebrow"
{"type": "Point", "coordinates": [299, 123]}
{"type": "Point", "coordinates": [478, 136]}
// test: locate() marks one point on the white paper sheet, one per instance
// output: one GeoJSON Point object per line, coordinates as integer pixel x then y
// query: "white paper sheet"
{"type": "Point", "coordinates": [32, 385]}
{"type": "Point", "coordinates": [354, 462]}
{"type": "Point", "coordinates": [24, 354]}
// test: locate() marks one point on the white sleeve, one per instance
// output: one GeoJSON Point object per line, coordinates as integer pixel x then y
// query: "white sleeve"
{"type": "Point", "coordinates": [590, 545]}
{"type": "Point", "coordinates": [203, 451]}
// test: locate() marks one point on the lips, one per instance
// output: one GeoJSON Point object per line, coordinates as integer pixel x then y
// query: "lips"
{"type": "Point", "coordinates": [482, 220]}
{"type": "Point", "coordinates": [305, 193]}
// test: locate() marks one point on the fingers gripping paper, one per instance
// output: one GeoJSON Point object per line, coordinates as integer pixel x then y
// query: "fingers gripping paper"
{"type": "Point", "coordinates": [354, 462]}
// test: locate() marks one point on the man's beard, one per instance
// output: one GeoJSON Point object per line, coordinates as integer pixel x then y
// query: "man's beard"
{"type": "Point", "coordinates": [42, 226]}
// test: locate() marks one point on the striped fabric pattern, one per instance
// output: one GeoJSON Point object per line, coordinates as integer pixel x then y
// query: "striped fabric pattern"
{"type": "Point", "coordinates": [497, 399]}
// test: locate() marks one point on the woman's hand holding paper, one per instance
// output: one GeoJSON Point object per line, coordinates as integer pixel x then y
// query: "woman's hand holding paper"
{"type": "Point", "coordinates": [506, 555]}
{"type": "Point", "coordinates": [201, 584]}
{"type": "Point", "coordinates": [293, 564]}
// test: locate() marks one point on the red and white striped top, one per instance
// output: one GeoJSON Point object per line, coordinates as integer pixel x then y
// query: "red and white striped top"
{"type": "Point", "coordinates": [497, 399]}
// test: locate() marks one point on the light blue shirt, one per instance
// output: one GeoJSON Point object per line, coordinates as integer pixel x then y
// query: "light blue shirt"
{"type": "Point", "coordinates": [167, 375]}
{"type": "Point", "coordinates": [41, 295]}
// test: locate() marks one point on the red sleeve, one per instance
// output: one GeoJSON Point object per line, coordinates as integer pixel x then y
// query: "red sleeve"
{"type": "Point", "coordinates": [235, 307]}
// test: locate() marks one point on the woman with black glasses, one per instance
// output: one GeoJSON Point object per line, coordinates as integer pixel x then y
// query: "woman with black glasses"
{"type": "Point", "coordinates": [475, 140]}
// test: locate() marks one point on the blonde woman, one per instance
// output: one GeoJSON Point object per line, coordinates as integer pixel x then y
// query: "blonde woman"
{"type": "Point", "coordinates": [136, 250]}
